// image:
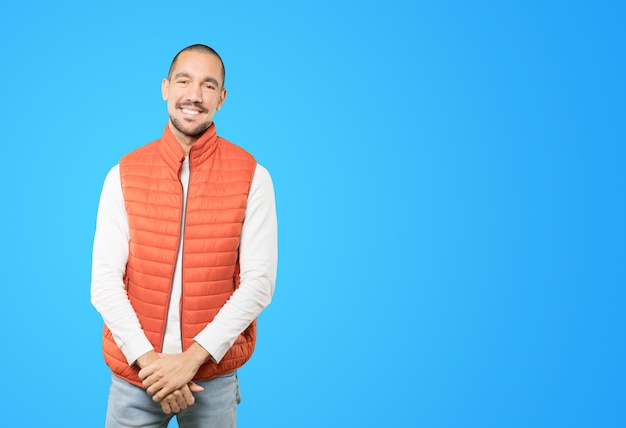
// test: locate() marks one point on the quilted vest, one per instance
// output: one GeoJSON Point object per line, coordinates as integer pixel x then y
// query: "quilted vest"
{"type": "Point", "coordinates": [220, 176]}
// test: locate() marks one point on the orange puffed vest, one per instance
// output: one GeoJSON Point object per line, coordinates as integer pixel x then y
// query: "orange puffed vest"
{"type": "Point", "coordinates": [220, 176]}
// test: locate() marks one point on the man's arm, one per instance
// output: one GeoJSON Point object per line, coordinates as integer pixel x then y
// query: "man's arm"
{"type": "Point", "coordinates": [258, 259]}
{"type": "Point", "coordinates": [110, 255]}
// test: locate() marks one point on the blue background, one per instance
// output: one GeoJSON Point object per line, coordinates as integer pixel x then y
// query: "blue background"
{"type": "Point", "coordinates": [450, 183]}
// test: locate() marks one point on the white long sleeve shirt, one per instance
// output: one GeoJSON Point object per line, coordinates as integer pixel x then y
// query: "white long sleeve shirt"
{"type": "Point", "coordinates": [258, 258]}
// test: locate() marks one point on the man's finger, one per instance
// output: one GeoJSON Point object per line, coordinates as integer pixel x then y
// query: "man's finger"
{"type": "Point", "coordinates": [194, 387]}
{"type": "Point", "coordinates": [166, 408]}
{"type": "Point", "coordinates": [188, 397]}
{"type": "Point", "coordinates": [146, 372]}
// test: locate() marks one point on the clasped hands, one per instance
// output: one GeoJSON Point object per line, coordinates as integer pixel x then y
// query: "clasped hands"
{"type": "Point", "coordinates": [167, 377]}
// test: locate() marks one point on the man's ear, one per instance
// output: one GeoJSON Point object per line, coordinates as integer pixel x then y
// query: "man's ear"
{"type": "Point", "coordinates": [165, 89]}
{"type": "Point", "coordinates": [222, 99]}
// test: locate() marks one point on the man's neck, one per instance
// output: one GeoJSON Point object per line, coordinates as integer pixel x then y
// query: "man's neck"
{"type": "Point", "coordinates": [185, 141]}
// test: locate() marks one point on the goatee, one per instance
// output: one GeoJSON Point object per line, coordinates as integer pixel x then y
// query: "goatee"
{"type": "Point", "coordinates": [195, 132]}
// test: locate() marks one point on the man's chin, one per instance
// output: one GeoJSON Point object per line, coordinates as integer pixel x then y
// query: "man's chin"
{"type": "Point", "coordinates": [189, 130]}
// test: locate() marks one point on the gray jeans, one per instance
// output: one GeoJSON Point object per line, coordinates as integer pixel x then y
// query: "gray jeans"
{"type": "Point", "coordinates": [215, 407]}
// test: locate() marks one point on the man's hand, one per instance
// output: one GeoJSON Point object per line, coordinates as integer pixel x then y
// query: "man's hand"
{"type": "Point", "coordinates": [180, 399]}
{"type": "Point", "coordinates": [177, 400]}
{"type": "Point", "coordinates": [171, 372]}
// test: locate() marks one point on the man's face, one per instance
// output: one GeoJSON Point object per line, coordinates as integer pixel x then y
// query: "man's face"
{"type": "Point", "coordinates": [193, 93]}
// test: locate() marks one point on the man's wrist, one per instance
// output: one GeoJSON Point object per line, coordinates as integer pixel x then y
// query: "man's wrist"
{"type": "Point", "coordinates": [198, 354]}
{"type": "Point", "coordinates": [146, 359]}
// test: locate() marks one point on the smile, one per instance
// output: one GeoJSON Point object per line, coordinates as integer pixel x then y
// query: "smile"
{"type": "Point", "coordinates": [191, 112]}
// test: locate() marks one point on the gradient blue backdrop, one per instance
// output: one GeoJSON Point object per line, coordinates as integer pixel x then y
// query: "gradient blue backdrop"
{"type": "Point", "coordinates": [450, 181]}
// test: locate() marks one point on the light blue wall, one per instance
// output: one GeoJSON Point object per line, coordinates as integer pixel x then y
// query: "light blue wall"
{"type": "Point", "coordinates": [450, 187]}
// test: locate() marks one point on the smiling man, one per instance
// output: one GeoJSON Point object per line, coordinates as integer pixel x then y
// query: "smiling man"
{"type": "Point", "coordinates": [193, 93]}
{"type": "Point", "coordinates": [184, 260]}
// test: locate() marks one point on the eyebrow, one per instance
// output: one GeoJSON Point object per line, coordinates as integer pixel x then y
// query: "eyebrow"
{"type": "Point", "coordinates": [206, 79]}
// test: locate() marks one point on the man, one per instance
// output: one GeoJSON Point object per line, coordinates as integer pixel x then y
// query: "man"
{"type": "Point", "coordinates": [184, 260]}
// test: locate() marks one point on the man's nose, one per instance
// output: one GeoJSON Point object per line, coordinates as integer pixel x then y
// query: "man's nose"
{"type": "Point", "coordinates": [194, 93]}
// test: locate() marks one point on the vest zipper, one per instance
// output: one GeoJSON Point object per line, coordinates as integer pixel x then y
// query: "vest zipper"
{"type": "Point", "coordinates": [185, 198]}
{"type": "Point", "coordinates": [182, 258]}
{"type": "Point", "coordinates": [180, 248]}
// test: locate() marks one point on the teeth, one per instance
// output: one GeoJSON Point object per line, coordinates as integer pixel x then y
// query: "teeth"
{"type": "Point", "coordinates": [189, 111]}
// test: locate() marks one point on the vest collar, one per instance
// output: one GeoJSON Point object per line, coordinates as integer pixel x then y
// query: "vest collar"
{"type": "Point", "coordinates": [201, 150]}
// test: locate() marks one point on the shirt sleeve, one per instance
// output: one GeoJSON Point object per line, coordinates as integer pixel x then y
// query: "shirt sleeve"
{"type": "Point", "coordinates": [258, 258]}
{"type": "Point", "coordinates": [109, 258]}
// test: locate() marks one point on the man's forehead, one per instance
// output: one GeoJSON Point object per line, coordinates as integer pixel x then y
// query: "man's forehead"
{"type": "Point", "coordinates": [198, 56]}
{"type": "Point", "coordinates": [188, 60]}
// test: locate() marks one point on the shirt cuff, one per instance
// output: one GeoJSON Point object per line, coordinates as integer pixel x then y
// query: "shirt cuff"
{"type": "Point", "coordinates": [136, 347]}
{"type": "Point", "coordinates": [210, 339]}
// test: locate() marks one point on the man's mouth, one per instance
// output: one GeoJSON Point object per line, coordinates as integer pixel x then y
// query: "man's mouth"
{"type": "Point", "coordinates": [191, 109]}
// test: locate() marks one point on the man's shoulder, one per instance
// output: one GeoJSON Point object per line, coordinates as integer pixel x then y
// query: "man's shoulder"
{"type": "Point", "coordinates": [141, 152]}
{"type": "Point", "coordinates": [230, 150]}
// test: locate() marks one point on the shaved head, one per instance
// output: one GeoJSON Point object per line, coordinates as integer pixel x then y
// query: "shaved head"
{"type": "Point", "coordinates": [198, 48]}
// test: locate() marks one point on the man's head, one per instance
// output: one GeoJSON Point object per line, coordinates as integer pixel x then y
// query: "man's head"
{"type": "Point", "coordinates": [194, 91]}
